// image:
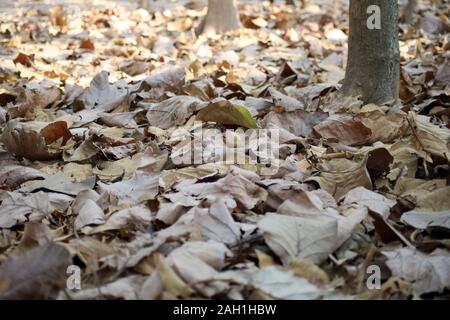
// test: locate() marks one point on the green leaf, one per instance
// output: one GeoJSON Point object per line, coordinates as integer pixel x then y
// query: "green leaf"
{"type": "Point", "coordinates": [224, 112]}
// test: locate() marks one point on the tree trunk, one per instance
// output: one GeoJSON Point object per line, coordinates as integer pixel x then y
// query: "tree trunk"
{"type": "Point", "coordinates": [222, 16]}
{"type": "Point", "coordinates": [373, 67]}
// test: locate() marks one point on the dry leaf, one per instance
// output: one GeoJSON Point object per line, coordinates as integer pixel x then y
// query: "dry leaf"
{"type": "Point", "coordinates": [17, 208]}
{"type": "Point", "coordinates": [60, 183]}
{"type": "Point", "coordinates": [101, 95]}
{"type": "Point", "coordinates": [26, 60]}
{"type": "Point", "coordinates": [295, 237]}
{"type": "Point", "coordinates": [172, 112]}
{"type": "Point", "coordinates": [427, 273]}
{"type": "Point", "coordinates": [37, 274]}
{"type": "Point", "coordinates": [14, 174]}
{"type": "Point", "coordinates": [339, 176]}
{"type": "Point", "coordinates": [35, 234]}
{"type": "Point", "coordinates": [87, 44]}
{"type": "Point", "coordinates": [373, 201]}
{"type": "Point", "coordinates": [345, 129]}
{"type": "Point", "coordinates": [139, 188]}
{"type": "Point", "coordinates": [225, 112]}
{"type": "Point", "coordinates": [234, 189]}
{"type": "Point", "coordinates": [429, 138]}
{"type": "Point", "coordinates": [172, 282]}
{"type": "Point", "coordinates": [216, 223]}
{"type": "Point", "coordinates": [31, 139]}
{"type": "Point", "coordinates": [423, 220]}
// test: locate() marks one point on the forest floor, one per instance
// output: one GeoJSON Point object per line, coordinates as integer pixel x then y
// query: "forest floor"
{"type": "Point", "coordinates": [116, 124]}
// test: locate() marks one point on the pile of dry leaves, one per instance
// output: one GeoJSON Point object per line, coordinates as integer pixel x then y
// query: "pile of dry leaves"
{"type": "Point", "coordinates": [96, 103]}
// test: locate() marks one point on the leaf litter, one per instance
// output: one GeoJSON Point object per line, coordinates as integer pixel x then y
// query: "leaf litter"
{"type": "Point", "coordinates": [99, 108]}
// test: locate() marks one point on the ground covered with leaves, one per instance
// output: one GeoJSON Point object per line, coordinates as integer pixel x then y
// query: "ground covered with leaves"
{"type": "Point", "coordinates": [99, 103]}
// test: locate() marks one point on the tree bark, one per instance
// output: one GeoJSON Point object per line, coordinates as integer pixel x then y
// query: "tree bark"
{"type": "Point", "coordinates": [222, 16]}
{"type": "Point", "coordinates": [373, 67]}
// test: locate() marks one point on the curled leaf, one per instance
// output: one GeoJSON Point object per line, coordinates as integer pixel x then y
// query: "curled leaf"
{"type": "Point", "coordinates": [225, 112]}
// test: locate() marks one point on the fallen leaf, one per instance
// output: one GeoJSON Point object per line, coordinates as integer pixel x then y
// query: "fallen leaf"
{"type": "Point", "coordinates": [195, 265]}
{"type": "Point", "coordinates": [87, 44]}
{"type": "Point", "coordinates": [216, 223]}
{"type": "Point", "coordinates": [285, 102]}
{"type": "Point", "coordinates": [172, 112]}
{"type": "Point", "coordinates": [89, 214]}
{"type": "Point", "coordinates": [295, 237]}
{"type": "Point", "coordinates": [139, 188]}
{"type": "Point", "coordinates": [17, 208]}
{"type": "Point", "coordinates": [428, 137]}
{"type": "Point", "coordinates": [345, 129]}
{"type": "Point", "coordinates": [35, 234]}
{"type": "Point", "coordinates": [31, 139]}
{"type": "Point", "coordinates": [278, 284]}
{"type": "Point", "coordinates": [24, 59]}
{"type": "Point", "coordinates": [339, 176]}
{"type": "Point", "coordinates": [225, 112]}
{"type": "Point", "coordinates": [14, 174]}
{"type": "Point", "coordinates": [59, 18]}
{"type": "Point", "coordinates": [172, 282]}
{"type": "Point", "coordinates": [427, 273]}
{"type": "Point", "coordinates": [37, 274]}
{"type": "Point", "coordinates": [424, 220]}
{"type": "Point", "coordinates": [60, 183]}
{"type": "Point", "coordinates": [300, 123]}
{"type": "Point", "coordinates": [139, 215]}
{"type": "Point", "coordinates": [384, 128]}
{"type": "Point", "coordinates": [102, 95]}
{"type": "Point", "coordinates": [234, 189]}
{"type": "Point", "coordinates": [375, 202]}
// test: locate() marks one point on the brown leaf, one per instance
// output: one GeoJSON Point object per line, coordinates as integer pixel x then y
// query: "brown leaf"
{"type": "Point", "coordinates": [345, 129]}
{"type": "Point", "coordinates": [60, 183]}
{"type": "Point", "coordinates": [139, 188]}
{"type": "Point", "coordinates": [225, 112]}
{"type": "Point", "coordinates": [55, 131]}
{"type": "Point", "coordinates": [285, 102]}
{"type": "Point", "coordinates": [59, 18]}
{"type": "Point", "coordinates": [378, 162]}
{"type": "Point", "coordinates": [339, 176]}
{"type": "Point", "coordinates": [134, 67]}
{"type": "Point", "coordinates": [87, 44]}
{"type": "Point", "coordinates": [424, 220]}
{"type": "Point", "coordinates": [234, 189]}
{"type": "Point", "coordinates": [26, 60]}
{"type": "Point", "coordinates": [216, 223]}
{"type": "Point", "coordinates": [385, 128]}
{"type": "Point", "coordinates": [31, 139]}
{"type": "Point", "coordinates": [295, 237]}
{"type": "Point", "coordinates": [299, 122]}
{"type": "Point", "coordinates": [37, 274]}
{"type": "Point", "coordinates": [30, 97]}
{"type": "Point", "coordinates": [35, 234]}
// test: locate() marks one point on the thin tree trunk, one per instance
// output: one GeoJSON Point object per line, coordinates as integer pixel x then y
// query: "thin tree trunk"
{"type": "Point", "coordinates": [373, 67]}
{"type": "Point", "coordinates": [222, 16]}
